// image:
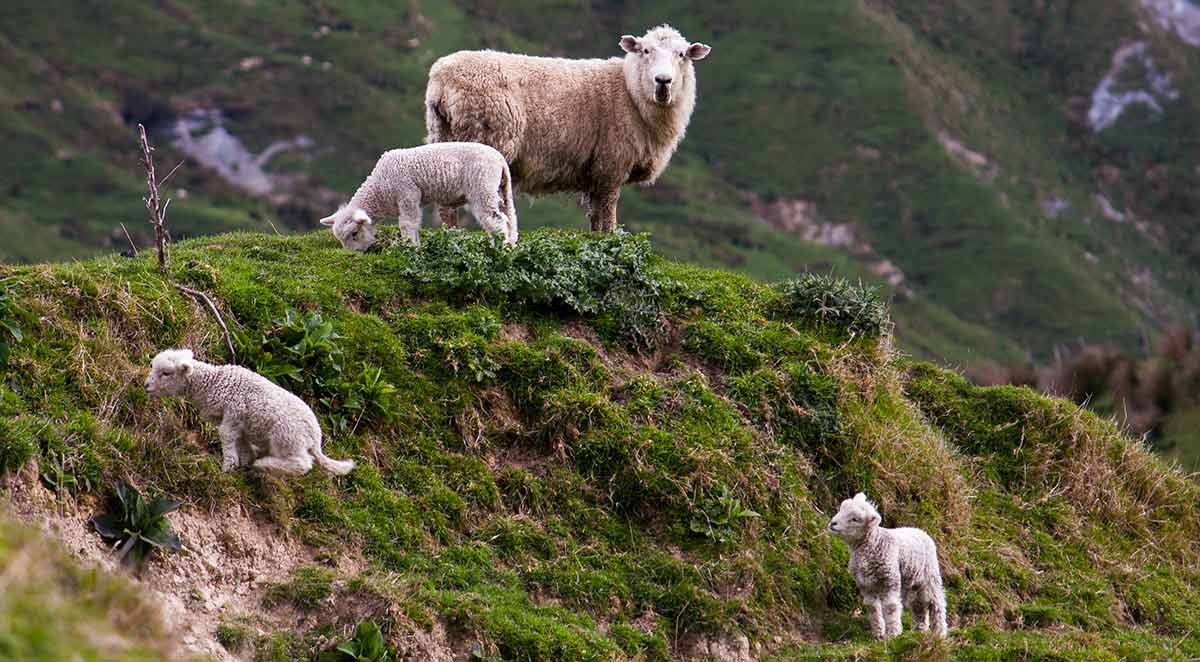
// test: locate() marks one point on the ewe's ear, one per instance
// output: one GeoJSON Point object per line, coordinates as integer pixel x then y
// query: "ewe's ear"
{"type": "Point", "coordinates": [698, 51]}
{"type": "Point", "coordinates": [361, 217]}
{"type": "Point", "coordinates": [631, 44]}
{"type": "Point", "coordinates": [328, 220]}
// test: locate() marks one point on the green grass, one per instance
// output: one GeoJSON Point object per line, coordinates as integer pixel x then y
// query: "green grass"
{"type": "Point", "coordinates": [551, 482]}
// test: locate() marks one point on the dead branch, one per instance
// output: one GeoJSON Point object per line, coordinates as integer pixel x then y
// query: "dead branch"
{"type": "Point", "coordinates": [129, 239]}
{"type": "Point", "coordinates": [157, 211]}
{"type": "Point", "coordinates": [216, 314]}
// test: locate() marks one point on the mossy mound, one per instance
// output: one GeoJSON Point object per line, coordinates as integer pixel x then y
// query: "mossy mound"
{"type": "Point", "coordinates": [576, 450]}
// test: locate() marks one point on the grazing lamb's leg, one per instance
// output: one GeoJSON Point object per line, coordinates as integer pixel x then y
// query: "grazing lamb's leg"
{"type": "Point", "coordinates": [245, 452]}
{"type": "Point", "coordinates": [875, 616]}
{"type": "Point", "coordinates": [410, 220]}
{"type": "Point", "coordinates": [602, 209]}
{"type": "Point", "coordinates": [295, 464]}
{"type": "Point", "coordinates": [230, 435]}
{"type": "Point", "coordinates": [891, 614]}
{"type": "Point", "coordinates": [447, 215]}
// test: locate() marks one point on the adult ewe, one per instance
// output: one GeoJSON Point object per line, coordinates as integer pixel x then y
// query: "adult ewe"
{"type": "Point", "coordinates": [255, 417]}
{"type": "Point", "coordinates": [447, 173]}
{"type": "Point", "coordinates": [891, 567]}
{"type": "Point", "coordinates": [571, 125]}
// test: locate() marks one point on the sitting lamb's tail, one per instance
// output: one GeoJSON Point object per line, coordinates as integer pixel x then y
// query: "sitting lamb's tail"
{"type": "Point", "coordinates": [338, 467]}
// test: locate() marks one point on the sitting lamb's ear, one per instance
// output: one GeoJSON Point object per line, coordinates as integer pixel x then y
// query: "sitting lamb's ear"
{"type": "Point", "coordinates": [860, 497]}
{"type": "Point", "coordinates": [361, 217]}
{"type": "Point", "coordinates": [631, 44]}
{"type": "Point", "coordinates": [874, 518]}
{"type": "Point", "coordinates": [329, 220]}
{"type": "Point", "coordinates": [698, 51]}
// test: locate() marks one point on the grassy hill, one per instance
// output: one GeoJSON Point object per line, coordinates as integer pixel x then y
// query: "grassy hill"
{"type": "Point", "coordinates": [578, 450]}
{"type": "Point", "coordinates": [948, 140]}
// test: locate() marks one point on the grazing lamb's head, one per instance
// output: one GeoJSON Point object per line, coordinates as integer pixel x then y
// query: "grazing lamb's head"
{"type": "Point", "coordinates": [855, 519]}
{"type": "Point", "coordinates": [353, 227]}
{"type": "Point", "coordinates": [658, 66]}
{"type": "Point", "coordinates": [169, 372]}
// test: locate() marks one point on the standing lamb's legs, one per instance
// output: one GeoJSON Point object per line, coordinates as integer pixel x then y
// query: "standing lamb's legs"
{"type": "Point", "coordinates": [891, 614]}
{"type": "Point", "coordinates": [447, 215]}
{"type": "Point", "coordinates": [230, 435]}
{"type": "Point", "coordinates": [410, 220]}
{"type": "Point", "coordinates": [920, 615]}
{"type": "Point", "coordinates": [294, 464]}
{"type": "Point", "coordinates": [602, 209]}
{"type": "Point", "coordinates": [875, 616]}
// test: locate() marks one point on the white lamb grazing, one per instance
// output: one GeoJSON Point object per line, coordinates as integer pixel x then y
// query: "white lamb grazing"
{"type": "Point", "coordinates": [256, 418]}
{"type": "Point", "coordinates": [448, 174]}
{"type": "Point", "coordinates": [571, 125]}
{"type": "Point", "coordinates": [891, 567]}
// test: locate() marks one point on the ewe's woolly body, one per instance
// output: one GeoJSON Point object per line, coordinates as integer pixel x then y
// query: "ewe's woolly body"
{"type": "Point", "coordinates": [892, 567]}
{"type": "Point", "coordinates": [255, 416]}
{"type": "Point", "coordinates": [451, 174]}
{"type": "Point", "coordinates": [566, 125]}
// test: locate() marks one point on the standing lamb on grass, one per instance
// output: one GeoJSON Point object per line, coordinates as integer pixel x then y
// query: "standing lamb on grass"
{"type": "Point", "coordinates": [444, 174]}
{"type": "Point", "coordinates": [255, 417]}
{"type": "Point", "coordinates": [891, 567]}
{"type": "Point", "coordinates": [571, 125]}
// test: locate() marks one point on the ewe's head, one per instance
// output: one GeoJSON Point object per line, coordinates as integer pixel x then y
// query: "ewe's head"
{"type": "Point", "coordinates": [855, 519]}
{"type": "Point", "coordinates": [169, 372]}
{"type": "Point", "coordinates": [658, 66]}
{"type": "Point", "coordinates": [353, 227]}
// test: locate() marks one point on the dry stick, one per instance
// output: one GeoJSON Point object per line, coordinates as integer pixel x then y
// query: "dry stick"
{"type": "Point", "coordinates": [213, 308]}
{"type": "Point", "coordinates": [156, 212]}
{"type": "Point", "coordinates": [129, 239]}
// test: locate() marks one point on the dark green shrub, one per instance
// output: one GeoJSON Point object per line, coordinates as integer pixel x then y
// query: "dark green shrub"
{"type": "Point", "coordinates": [613, 279]}
{"type": "Point", "coordinates": [10, 328]}
{"type": "Point", "coordinates": [16, 447]}
{"type": "Point", "coordinates": [831, 302]}
{"type": "Point", "coordinates": [139, 526]}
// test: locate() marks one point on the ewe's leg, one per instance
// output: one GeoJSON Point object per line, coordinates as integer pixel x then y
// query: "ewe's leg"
{"type": "Point", "coordinates": [602, 209]}
{"type": "Point", "coordinates": [231, 434]}
{"type": "Point", "coordinates": [891, 614]}
{"type": "Point", "coordinates": [875, 616]}
{"type": "Point", "coordinates": [293, 464]}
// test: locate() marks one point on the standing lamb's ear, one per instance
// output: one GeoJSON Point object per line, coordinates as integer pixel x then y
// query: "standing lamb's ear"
{"type": "Point", "coordinates": [361, 217]}
{"type": "Point", "coordinates": [631, 44]}
{"type": "Point", "coordinates": [328, 220]}
{"type": "Point", "coordinates": [698, 51]}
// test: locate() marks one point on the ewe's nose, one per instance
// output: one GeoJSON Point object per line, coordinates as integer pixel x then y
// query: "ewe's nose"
{"type": "Point", "coordinates": [662, 79]}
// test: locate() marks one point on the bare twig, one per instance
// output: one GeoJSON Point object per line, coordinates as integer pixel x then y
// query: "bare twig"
{"type": "Point", "coordinates": [213, 308]}
{"type": "Point", "coordinates": [157, 211]}
{"type": "Point", "coordinates": [129, 239]}
{"type": "Point", "coordinates": [164, 179]}
{"type": "Point", "coordinates": [273, 226]}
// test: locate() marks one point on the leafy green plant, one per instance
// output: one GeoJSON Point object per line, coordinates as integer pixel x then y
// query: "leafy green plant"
{"type": "Point", "coordinates": [368, 645]}
{"type": "Point", "coordinates": [138, 525]}
{"type": "Point", "coordinates": [720, 516]}
{"type": "Point", "coordinates": [829, 301]}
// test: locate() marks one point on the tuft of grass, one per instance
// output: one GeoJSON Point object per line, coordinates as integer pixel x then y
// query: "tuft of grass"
{"type": "Point", "coordinates": [308, 587]}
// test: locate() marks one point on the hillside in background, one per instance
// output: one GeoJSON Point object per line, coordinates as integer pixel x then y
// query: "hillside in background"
{"type": "Point", "coordinates": [1016, 174]}
{"type": "Point", "coordinates": [568, 450]}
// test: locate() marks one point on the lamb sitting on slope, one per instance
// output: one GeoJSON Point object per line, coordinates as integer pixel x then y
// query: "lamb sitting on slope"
{"type": "Point", "coordinates": [448, 174]}
{"type": "Point", "coordinates": [256, 418]}
{"type": "Point", "coordinates": [891, 567]}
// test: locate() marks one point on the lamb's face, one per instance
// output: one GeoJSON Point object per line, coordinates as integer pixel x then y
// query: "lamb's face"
{"type": "Point", "coordinates": [169, 372]}
{"type": "Point", "coordinates": [353, 227]}
{"type": "Point", "coordinates": [855, 519]}
{"type": "Point", "coordinates": [658, 66]}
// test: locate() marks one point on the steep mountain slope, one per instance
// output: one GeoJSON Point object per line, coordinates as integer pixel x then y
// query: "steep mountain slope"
{"type": "Point", "coordinates": [576, 450]}
{"type": "Point", "coordinates": [940, 149]}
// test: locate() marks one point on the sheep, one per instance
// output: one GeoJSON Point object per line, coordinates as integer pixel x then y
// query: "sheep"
{"type": "Point", "coordinates": [891, 566]}
{"type": "Point", "coordinates": [571, 125]}
{"type": "Point", "coordinates": [445, 174]}
{"type": "Point", "coordinates": [254, 416]}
